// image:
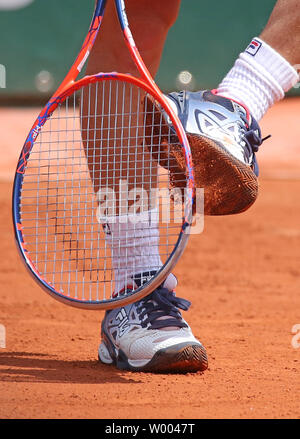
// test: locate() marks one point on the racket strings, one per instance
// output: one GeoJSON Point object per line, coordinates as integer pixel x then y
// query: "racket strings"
{"type": "Point", "coordinates": [96, 162]}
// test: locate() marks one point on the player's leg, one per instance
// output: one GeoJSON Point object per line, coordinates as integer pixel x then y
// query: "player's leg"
{"type": "Point", "coordinates": [150, 21]}
{"type": "Point", "coordinates": [150, 334]}
{"type": "Point", "coordinates": [265, 71]}
{"type": "Point", "coordinates": [282, 31]}
{"type": "Point", "coordinates": [120, 162]}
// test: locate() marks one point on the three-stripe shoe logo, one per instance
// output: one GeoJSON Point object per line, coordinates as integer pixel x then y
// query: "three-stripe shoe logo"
{"type": "Point", "coordinates": [123, 325]}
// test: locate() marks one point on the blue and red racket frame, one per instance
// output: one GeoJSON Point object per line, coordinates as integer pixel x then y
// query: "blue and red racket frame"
{"type": "Point", "coordinates": [66, 89]}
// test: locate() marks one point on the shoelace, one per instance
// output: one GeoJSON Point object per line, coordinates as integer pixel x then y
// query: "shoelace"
{"type": "Point", "coordinates": [162, 303]}
{"type": "Point", "coordinates": [251, 138]}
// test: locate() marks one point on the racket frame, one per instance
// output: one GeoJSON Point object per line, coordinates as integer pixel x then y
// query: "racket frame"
{"type": "Point", "coordinates": [67, 88]}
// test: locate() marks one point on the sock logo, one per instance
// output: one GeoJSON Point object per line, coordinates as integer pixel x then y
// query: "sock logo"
{"type": "Point", "coordinates": [142, 278]}
{"type": "Point", "coordinates": [253, 47]}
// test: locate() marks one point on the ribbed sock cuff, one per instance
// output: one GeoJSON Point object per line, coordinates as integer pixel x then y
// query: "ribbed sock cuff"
{"type": "Point", "coordinates": [274, 63]}
{"type": "Point", "coordinates": [259, 78]}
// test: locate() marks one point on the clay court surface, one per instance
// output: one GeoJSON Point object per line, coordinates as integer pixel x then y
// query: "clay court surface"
{"type": "Point", "coordinates": [242, 275]}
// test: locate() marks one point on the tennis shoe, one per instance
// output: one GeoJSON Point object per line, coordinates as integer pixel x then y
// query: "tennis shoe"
{"type": "Point", "coordinates": [223, 138]}
{"type": "Point", "coordinates": [150, 335]}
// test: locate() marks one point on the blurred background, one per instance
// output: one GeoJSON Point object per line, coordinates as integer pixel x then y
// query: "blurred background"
{"type": "Point", "coordinates": [40, 38]}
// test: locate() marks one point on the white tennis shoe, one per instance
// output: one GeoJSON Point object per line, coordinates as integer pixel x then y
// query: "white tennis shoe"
{"type": "Point", "coordinates": [151, 336]}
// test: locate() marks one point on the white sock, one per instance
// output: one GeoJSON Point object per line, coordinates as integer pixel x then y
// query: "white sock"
{"type": "Point", "coordinates": [259, 78]}
{"type": "Point", "coordinates": [134, 244]}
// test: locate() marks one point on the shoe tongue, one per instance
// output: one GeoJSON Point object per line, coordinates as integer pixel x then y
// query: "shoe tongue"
{"type": "Point", "coordinates": [170, 284]}
{"type": "Point", "coordinates": [140, 279]}
{"type": "Point", "coordinates": [217, 99]}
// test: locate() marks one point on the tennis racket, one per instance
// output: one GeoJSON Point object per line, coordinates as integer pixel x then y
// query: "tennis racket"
{"type": "Point", "coordinates": [92, 149]}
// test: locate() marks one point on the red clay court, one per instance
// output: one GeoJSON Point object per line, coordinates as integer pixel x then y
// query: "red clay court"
{"type": "Point", "coordinates": [242, 275]}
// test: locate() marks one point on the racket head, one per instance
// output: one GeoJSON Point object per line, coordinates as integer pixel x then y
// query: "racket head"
{"type": "Point", "coordinates": [56, 204]}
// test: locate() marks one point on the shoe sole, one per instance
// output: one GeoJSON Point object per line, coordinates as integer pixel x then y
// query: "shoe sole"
{"type": "Point", "coordinates": [230, 186]}
{"type": "Point", "coordinates": [181, 358]}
